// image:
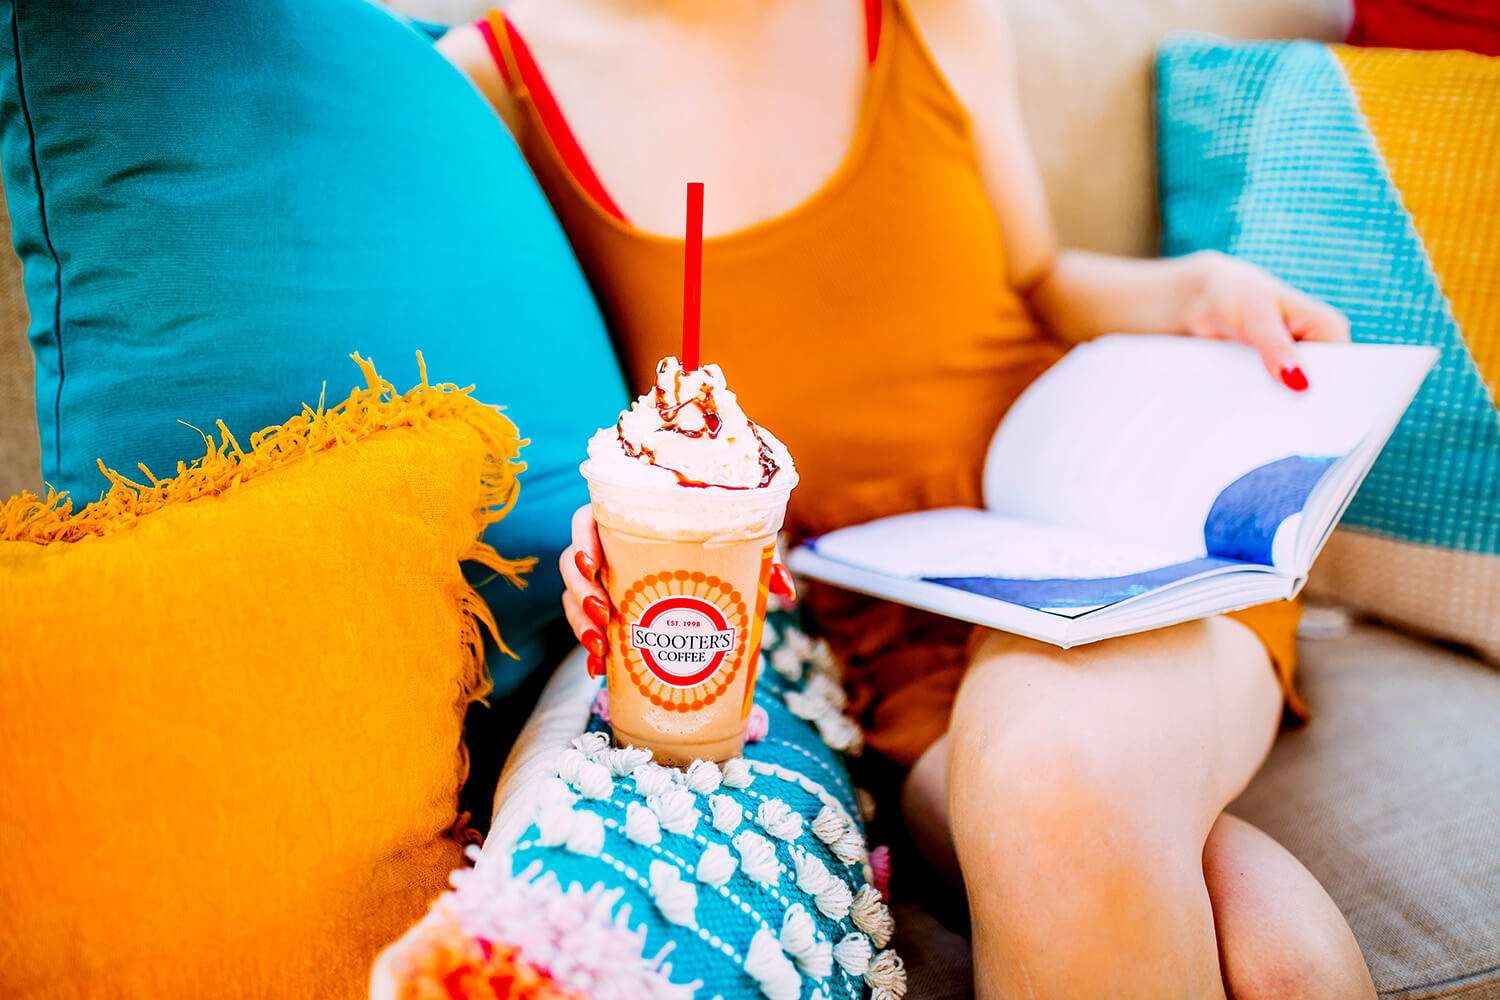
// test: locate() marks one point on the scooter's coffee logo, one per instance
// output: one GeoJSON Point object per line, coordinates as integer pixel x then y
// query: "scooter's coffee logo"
{"type": "Point", "coordinates": [683, 639]}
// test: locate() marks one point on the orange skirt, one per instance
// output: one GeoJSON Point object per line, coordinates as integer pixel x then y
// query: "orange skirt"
{"type": "Point", "coordinates": [903, 666]}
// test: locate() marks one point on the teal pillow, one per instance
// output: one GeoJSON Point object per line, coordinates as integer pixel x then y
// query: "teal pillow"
{"type": "Point", "coordinates": [743, 882]}
{"type": "Point", "coordinates": [216, 204]}
{"type": "Point", "coordinates": [1367, 178]}
{"type": "Point", "coordinates": [1269, 151]}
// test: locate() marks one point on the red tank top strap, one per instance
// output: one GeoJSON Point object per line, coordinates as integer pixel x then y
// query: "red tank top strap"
{"type": "Point", "coordinates": [874, 18]}
{"type": "Point", "coordinates": [520, 71]}
{"type": "Point", "coordinates": [487, 32]}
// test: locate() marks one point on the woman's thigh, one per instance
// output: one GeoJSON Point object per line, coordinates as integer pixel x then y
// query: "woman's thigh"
{"type": "Point", "coordinates": [1178, 719]}
{"type": "Point", "coordinates": [1082, 785]}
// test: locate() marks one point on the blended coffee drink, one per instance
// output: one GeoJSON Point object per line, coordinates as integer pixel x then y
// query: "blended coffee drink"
{"type": "Point", "coordinates": [688, 495]}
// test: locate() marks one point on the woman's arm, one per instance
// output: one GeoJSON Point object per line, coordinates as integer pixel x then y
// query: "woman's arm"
{"type": "Point", "coordinates": [1078, 294]}
{"type": "Point", "coordinates": [1204, 294]}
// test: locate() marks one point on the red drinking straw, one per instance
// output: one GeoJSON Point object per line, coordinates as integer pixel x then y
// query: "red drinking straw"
{"type": "Point", "coordinates": [692, 277]}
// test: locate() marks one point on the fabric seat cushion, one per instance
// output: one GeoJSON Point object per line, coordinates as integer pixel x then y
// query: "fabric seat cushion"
{"type": "Point", "coordinates": [1391, 797]}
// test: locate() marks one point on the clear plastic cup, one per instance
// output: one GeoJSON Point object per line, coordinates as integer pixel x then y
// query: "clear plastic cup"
{"type": "Point", "coordinates": [688, 573]}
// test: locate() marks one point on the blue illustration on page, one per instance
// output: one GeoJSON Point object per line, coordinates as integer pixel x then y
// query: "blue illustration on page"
{"type": "Point", "coordinates": [1243, 520]}
{"type": "Point", "coordinates": [1044, 595]}
{"type": "Point", "coordinates": [1241, 528]}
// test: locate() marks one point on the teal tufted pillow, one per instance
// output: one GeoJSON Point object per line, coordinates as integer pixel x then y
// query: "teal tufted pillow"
{"type": "Point", "coordinates": [216, 204]}
{"type": "Point", "coordinates": [637, 881]}
{"type": "Point", "coordinates": [1368, 178]}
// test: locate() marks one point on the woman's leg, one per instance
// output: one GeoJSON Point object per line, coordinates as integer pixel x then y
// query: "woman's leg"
{"type": "Point", "coordinates": [1280, 936]}
{"type": "Point", "coordinates": [924, 805]}
{"type": "Point", "coordinates": [1082, 786]}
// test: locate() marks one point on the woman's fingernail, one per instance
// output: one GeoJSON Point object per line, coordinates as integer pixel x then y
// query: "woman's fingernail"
{"type": "Point", "coordinates": [596, 666]}
{"type": "Point", "coordinates": [593, 641]}
{"type": "Point", "coordinates": [1294, 379]}
{"type": "Point", "coordinates": [585, 564]}
{"type": "Point", "coordinates": [597, 611]}
{"type": "Point", "coordinates": [782, 582]}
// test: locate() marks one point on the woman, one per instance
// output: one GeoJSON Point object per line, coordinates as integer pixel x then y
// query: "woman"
{"type": "Point", "coordinates": [880, 279]}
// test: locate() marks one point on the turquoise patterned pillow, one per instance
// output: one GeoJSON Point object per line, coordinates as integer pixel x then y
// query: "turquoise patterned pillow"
{"type": "Point", "coordinates": [634, 880]}
{"type": "Point", "coordinates": [1368, 178]}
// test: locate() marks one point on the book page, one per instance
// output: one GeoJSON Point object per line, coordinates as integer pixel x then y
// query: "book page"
{"type": "Point", "coordinates": [1188, 446]}
{"type": "Point", "coordinates": [962, 541]}
{"type": "Point", "coordinates": [1020, 562]}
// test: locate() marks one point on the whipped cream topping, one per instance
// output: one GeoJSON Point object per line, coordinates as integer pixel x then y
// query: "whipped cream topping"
{"type": "Point", "coordinates": [689, 431]}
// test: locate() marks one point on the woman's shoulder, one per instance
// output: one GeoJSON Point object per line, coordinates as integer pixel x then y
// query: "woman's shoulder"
{"type": "Point", "coordinates": [466, 47]}
{"type": "Point", "coordinates": [573, 23]}
{"type": "Point", "coordinates": [970, 41]}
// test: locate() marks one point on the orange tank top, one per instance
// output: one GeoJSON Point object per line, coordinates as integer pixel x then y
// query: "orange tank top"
{"type": "Point", "coordinates": [871, 328]}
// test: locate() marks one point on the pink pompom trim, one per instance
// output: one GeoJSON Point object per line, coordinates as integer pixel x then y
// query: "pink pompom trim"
{"type": "Point", "coordinates": [758, 726]}
{"type": "Point", "coordinates": [601, 704]}
{"type": "Point", "coordinates": [880, 867]}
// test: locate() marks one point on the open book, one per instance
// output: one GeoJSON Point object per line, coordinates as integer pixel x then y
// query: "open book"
{"type": "Point", "coordinates": [1141, 482]}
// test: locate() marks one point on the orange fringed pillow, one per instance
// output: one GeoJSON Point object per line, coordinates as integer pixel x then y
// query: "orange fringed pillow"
{"type": "Point", "coordinates": [233, 704]}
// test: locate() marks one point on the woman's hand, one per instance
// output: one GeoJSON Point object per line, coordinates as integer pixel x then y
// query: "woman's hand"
{"type": "Point", "coordinates": [584, 601]}
{"type": "Point", "coordinates": [1079, 294]}
{"type": "Point", "coordinates": [1235, 300]}
{"type": "Point", "coordinates": [1204, 294]}
{"type": "Point", "coordinates": [587, 605]}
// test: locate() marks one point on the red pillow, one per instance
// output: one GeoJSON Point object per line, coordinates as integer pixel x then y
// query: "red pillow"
{"type": "Point", "coordinates": [1427, 24]}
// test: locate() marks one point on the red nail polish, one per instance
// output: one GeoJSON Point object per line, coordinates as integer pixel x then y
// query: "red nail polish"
{"type": "Point", "coordinates": [585, 564]}
{"type": "Point", "coordinates": [782, 582]}
{"type": "Point", "coordinates": [593, 641]}
{"type": "Point", "coordinates": [1294, 379]}
{"type": "Point", "coordinates": [597, 611]}
{"type": "Point", "coordinates": [595, 666]}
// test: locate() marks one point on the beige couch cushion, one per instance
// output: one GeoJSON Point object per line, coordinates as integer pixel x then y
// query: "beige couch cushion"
{"type": "Point", "coordinates": [1392, 798]}
{"type": "Point", "coordinates": [20, 448]}
{"type": "Point", "coordinates": [1086, 94]}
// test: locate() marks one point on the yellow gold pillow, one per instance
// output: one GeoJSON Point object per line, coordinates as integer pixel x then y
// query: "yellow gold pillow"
{"type": "Point", "coordinates": [234, 701]}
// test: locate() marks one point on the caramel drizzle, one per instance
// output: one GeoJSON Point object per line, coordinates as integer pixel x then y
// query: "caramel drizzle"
{"type": "Point", "coordinates": [713, 424]}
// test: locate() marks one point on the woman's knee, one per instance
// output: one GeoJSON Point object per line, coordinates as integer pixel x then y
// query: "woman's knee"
{"type": "Point", "coordinates": [1281, 936]}
{"type": "Point", "coordinates": [1053, 778]}
{"type": "Point", "coordinates": [1320, 965]}
{"type": "Point", "coordinates": [924, 805]}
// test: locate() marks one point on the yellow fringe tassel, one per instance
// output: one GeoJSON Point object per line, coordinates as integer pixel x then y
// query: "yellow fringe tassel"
{"type": "Point", "coordinates": [367, 411]}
